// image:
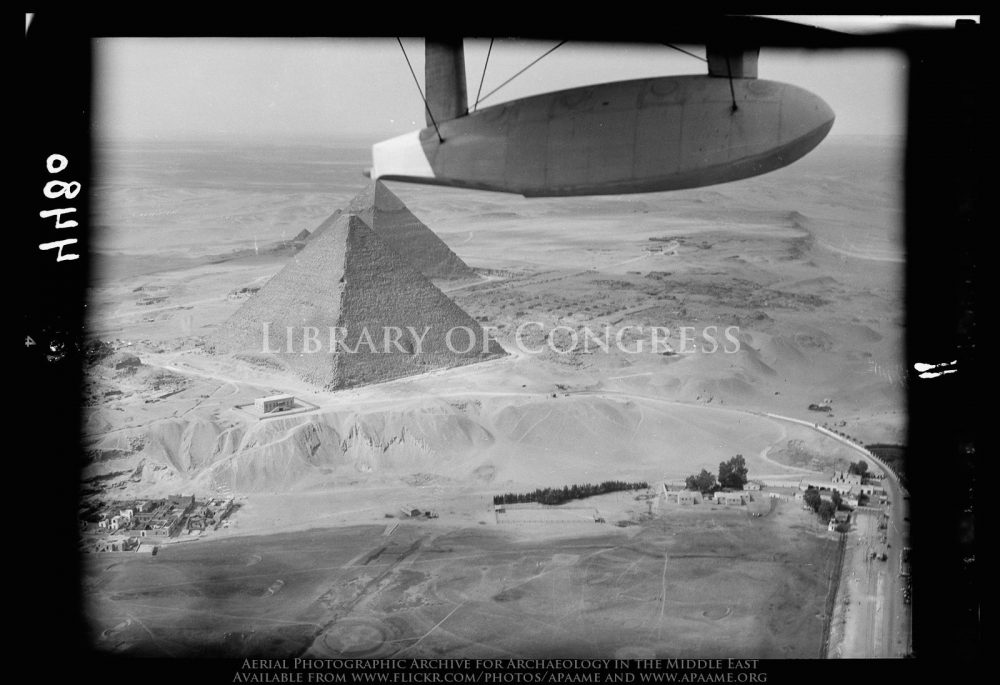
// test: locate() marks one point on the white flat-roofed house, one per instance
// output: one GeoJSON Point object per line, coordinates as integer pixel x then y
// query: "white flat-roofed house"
{"type": "Point", "coordinates": [825, 486]}
{"type": "Point", "coordinates": [688, 497]}
{"type": "Point", "coordinates": [730, 498]}
{"type": "Point", "coordinates": [274, 403]}
{"type": "Point", "coordinates": [684, 496]}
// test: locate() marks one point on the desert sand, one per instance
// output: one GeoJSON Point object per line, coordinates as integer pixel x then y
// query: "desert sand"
{"type": "Point", "coordinates": [806, 262]}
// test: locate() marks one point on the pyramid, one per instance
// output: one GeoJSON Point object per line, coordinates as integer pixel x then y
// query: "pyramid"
{"type": "Point", "coordinates": [386, 214]}
{"type": "Point", "coordinates": [389, 320]}
{"type": "Point", "coordinates": [329, 221]}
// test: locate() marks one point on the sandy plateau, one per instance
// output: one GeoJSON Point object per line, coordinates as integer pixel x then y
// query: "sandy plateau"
{"type": "Point", "coordinates": [806, 262]}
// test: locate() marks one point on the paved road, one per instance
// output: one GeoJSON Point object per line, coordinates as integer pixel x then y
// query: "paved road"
{"type": "Point", "coordinates": [885, 617]}
{"type": "Point", "coordinates": [895, 621]}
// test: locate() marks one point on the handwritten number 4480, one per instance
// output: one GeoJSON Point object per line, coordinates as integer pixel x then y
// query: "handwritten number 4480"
{"type": "Point", "coordinates": [54, 190]}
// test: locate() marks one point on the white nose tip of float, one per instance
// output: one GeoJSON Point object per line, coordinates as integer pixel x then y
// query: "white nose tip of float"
{"type": "Point", "coordinates": [402, 156]}
{"type": "Point", "coordinates": [805, 114]}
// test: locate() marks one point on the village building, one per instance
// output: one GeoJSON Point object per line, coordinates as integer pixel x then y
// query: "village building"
{"type": "Point", "coordinates": [196, 522]}
{"type": "Point", "coordinates": [185, 501]}
{"type": "Point", "coordinates": [115, 544]}
{"type": "Point", "coordinates": [845, 477]}
{"type": "Point", "coordinates": [685, 497]}
{"type": "Point", "coordinates": [731, 499]}
{"type": "Point", "coordinates": [827, 486]}
{"type": "Point", "coordinates": [871, 489]}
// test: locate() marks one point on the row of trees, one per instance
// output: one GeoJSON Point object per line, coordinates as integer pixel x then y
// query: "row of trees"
{"type": "Point", "coordinates": [732, 474]}
{"type": "Point", "coordinates": [567, 492]}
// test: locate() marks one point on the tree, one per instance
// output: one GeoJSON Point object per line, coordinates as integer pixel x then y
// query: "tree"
{"type": "Point", "coordinates": [703, 482]}
{"type": "Point", "coordinates": [837, 499]}
{"type": "Point", "coordinates": [733, 473]}
{"type": "Point", "coordinates": [812, 498]}
{"type": "Point", "coordinates": [826, 510]}
{"type": "Point", "coordinates": [860, 468]}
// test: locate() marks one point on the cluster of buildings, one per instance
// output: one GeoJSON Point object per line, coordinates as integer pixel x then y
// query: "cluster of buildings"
{"type": "Point", "coordinates": [138, 525]}
{"type": "Point", "coordinates": [851, 487]}
{"type": "Point", "coordinates": [734, 498]}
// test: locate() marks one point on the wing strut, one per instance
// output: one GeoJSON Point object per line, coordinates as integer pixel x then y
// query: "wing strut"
{"type": "Point", "coordinates": [427, 108]}
{"type": "Point", "coordinates": [444, 76]}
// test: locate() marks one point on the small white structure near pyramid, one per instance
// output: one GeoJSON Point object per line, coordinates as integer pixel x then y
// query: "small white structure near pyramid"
{"type": "Point", "coordinates": [386, 214]}
{"type": "Point", "coordinates": [348, 310]}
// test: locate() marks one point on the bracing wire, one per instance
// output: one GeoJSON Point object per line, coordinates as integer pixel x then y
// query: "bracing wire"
{"type": "Point", "coordinates": [732, 92]}
{"type": "Point", "coordinates": [483, 77]}
{"type": "Point", "coordinates": [419, 90]}
{"type": "Point", "coordinates": [536, 61]}
{"type": "Point", "coordinates": [686, 52]}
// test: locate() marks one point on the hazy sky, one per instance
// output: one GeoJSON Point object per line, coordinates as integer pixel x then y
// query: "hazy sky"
{"type": "Point", "coordinates": [251, 88]}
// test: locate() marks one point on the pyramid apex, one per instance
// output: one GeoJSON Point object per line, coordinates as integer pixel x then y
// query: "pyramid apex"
{"type": "Point", "coordinates": [345, 223]}
{"type": "Point", "coordinates": [384, 199]}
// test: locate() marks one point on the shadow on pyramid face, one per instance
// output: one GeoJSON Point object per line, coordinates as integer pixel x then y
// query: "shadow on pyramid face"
{"type": "Point", "coordinates": [350, 310]}
{"type": "Point", "coordinates": [387, 215]}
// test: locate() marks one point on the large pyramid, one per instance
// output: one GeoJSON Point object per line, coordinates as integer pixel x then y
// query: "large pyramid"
{"type": "Point", "coordinates": [386, 214]}
{"type": "Point", "coordinates": [388, 320]}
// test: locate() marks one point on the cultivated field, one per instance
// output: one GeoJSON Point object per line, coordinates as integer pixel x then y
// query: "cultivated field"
{"type": "Point", "coordinates": [690, 582]}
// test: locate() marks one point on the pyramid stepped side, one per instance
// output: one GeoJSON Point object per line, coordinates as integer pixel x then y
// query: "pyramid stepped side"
{"type": "Point", "coordinates": [364, 201]}
{"type": "Point", "coordinates": [388, 216]}
{"type": "Point", "coordinates": [382, 211]}
{"type": "Point", "coordinates": [411, 238]}
{"type": "Point", "coordinates": [383, 290]}
{"type": "Point", "coordinates": [307, 292]}
{"type": "Point", "coordinates": [327, 223]}
{"type": "Point", "coordinates": [349, 278]}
